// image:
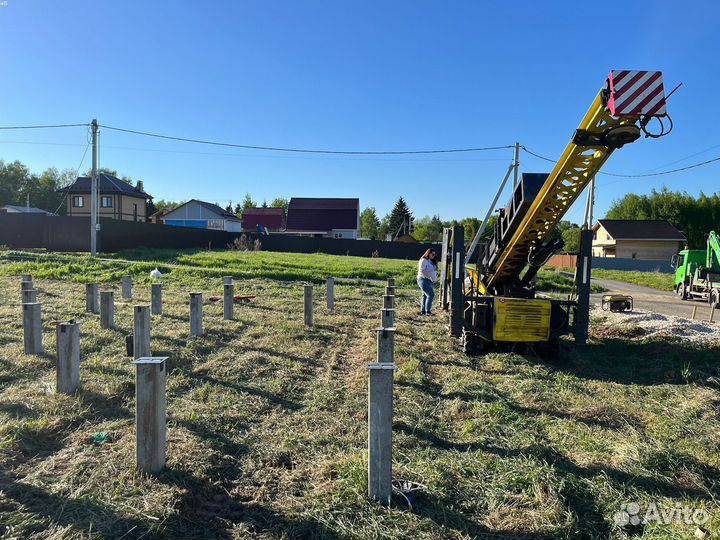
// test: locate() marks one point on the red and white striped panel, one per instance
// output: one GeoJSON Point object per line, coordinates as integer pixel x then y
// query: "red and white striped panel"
{"type": "Point", "coordinates": [636, 92]}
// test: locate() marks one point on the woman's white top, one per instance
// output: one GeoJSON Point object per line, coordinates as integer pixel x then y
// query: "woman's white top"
{"type": "Point", "coordinates": [427, 269]}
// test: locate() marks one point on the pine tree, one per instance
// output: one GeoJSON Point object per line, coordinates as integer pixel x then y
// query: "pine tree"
{"type": "Point", "coordinates": [397, 221]}
{"type": "Point", "coordinates": [248, 202]}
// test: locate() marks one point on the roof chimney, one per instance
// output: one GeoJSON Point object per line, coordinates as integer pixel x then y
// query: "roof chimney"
{"type": "Point", "coordinates": [140, 186]}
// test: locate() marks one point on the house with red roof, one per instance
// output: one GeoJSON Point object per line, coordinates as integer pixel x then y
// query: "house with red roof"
{"type": "Point", "coordinates": [327, 217]}
{"type": "Point", "coordinates": [272, 219]}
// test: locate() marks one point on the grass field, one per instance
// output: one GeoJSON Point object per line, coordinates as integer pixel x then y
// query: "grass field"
{"type": "Point", "coordinates": [186, 267]}
{"type": "Point", "coordinates": [656, 280]}
{"type": "Point", "coordinates": [267, 419]}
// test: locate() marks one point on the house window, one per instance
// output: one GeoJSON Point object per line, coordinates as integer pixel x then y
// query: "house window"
{"type": "Point", "coordinates": [594, 235]}
{"type": "Point", "coordinates": [134, 212]}
{"type": "Point", "coordinates": [78, 201]}
{"type": "Point", "coordinates": [105, 202]}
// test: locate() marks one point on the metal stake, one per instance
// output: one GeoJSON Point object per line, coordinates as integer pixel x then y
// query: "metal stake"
{"type": "Point", "coordinates": [196, 314]}
{"type": "Point", "coordinates": [228, 301]}
{"type": "Point", "coordinates": [141, 332]}
{"type": "Point", "coordinates": [68, 357]}
{"type": "Point", "coordinates": [308, 305]}
{"type": "Point", "coordinates": [151, 413]}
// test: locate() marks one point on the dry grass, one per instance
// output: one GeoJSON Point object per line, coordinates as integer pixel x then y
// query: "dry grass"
{"type": "Point", "coordinates": [267, 427]}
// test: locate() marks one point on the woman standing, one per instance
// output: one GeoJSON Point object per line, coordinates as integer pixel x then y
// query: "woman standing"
{"type": "Point", "coordinates": [426, 277]}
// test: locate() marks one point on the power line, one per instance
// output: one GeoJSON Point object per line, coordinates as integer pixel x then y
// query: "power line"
{"type": "Point", "coordinates": [537, 155]}
{"type": "Point", "coordinates": [44, 127]}
{"type": "Point", "coordinates": [693, 166]}
{"type": "Point", "coordinates": [307, 150]}
{"type": "Point", "coordinates": [263, 156]}
{"type": "Point", "coordinates": [77, 173]}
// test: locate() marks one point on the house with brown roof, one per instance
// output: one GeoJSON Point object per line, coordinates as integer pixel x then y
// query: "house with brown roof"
{"type": "Point", "coordinates": [272, 219]}
{"type": "Point", "coordinates": [328, 217]}
{"type": "Point", "coordinates": [117, 199]}
{"type": "Point", "coordinates": [648, 239]}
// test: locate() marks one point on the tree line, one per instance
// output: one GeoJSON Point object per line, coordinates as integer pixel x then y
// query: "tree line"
{"type": "Point", "coordinates": [430, 228]}
{"type": "Point", "coordinates": [19, 186]}
{"type": "Point", "coordinates": [693, 216]}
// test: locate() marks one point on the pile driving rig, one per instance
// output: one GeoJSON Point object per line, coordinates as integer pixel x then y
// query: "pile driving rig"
{"type": "Point", "coordinates": [490, 292]}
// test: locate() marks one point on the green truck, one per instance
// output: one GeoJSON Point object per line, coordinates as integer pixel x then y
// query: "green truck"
{"type": "Point", "coordinates": [697, 272]}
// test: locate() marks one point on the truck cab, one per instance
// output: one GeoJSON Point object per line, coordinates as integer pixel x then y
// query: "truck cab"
{"type": "Point", "coordinates": [685, 264]}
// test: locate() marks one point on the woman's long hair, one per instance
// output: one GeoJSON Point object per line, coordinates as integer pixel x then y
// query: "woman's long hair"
{"type": "Point", "coordinates": [428, 255]}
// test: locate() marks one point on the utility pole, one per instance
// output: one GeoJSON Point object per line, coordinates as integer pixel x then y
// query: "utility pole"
{"type": "Point", "coordinates": [94, 190]}
{"type": "Point", "coordinates": [517, 165]}
{"type": "Point", "coordinates": [591, 204]}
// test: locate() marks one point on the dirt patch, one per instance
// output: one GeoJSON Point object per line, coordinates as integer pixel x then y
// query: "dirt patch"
{"type": "Point", "coordinates": [624, 332]}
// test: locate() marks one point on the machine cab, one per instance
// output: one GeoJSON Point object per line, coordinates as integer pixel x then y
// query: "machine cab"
{"type": "Point", "coordinates": [685, 263]}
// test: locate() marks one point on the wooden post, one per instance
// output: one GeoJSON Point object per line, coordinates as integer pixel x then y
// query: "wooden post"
{"type": "Point", "coordinates": [91, 298]}
{"type": "Point", "coordinates": [68, 357]}
{"type": "Point", "coordinates": [308, 305]}
{"type": "Point", "coordinates": [391, 282]}
{"type": "Point", "coordinates": [380, 414]}
{"type": "Point", "coordinates": [388, 301]}
{"type": "Point", "coordinates": [29, 296]}
{"type": "Point", "coordinates": [387, 318]}
{"type": "Point", "coordinates": [151, 413]}
{"type": "Point", "coordinates": [141, 332]}
{"type": "Point", "coordinates": [32, 328]}
{"type": "Point", "coordinates": [330, 285]}
{"type": "Point", "coordinates": [228, 301]}
{"type": "Point", "coordinates": [390, 291]}
{"type": "Point", "coordinates": [196, 314]}
{"type": "Point", "coordinates": [107, 309]}
{"type": "Point", "coordinates": [694, 311]}
{"type": "Point", "coordinates": [227, 280]}
{"type": "Point", "coordinates": [156, 303]}
{"type": "Point", "coordinates": [27, 277]}
{"type": "Point", "coordinates": [126, 287]}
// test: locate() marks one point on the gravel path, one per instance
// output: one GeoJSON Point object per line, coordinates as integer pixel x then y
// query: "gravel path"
{"type": "Point", "coordinates": [659, 324]}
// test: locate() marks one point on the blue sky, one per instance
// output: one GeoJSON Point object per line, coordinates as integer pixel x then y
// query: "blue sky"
{"type": "Point", "coordinates": [355, 75]}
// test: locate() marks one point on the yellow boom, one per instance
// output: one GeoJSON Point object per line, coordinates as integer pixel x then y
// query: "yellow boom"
{"type": "Point", "coordinates": [573, 171]}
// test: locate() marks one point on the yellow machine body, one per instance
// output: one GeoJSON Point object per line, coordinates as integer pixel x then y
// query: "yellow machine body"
{"type": "Point", "coordinates": [495, 301]}
{"type": "Point", "coordinates": [521, 320]}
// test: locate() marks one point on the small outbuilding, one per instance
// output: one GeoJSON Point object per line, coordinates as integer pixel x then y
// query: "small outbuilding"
{"type": "Point", "coordinates": [14, 209]}
{"type": "Point", "coordinates": [647, 239]}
